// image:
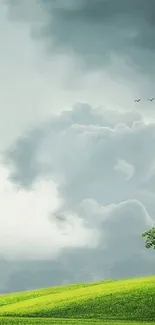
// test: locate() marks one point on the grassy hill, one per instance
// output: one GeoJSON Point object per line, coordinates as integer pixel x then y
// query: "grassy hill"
{"type": "Point", "coordinates": [111, 302]}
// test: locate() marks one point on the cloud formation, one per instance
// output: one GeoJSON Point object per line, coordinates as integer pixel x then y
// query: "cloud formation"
{"type": "Point", "coordinates": [98, 58]}
{"type": "Point", "coordinates": [125, 168]}
{"type": "Point", "coordinates": [54, 147]}
{"type": "Point", "coordinates": [84, 173]}
{"type": "Point", "coordinates": [97, 29]}
{"type": "Point", "coordinates": [80, 150]}
{"type": "Point", "coordinates": [29, 229]}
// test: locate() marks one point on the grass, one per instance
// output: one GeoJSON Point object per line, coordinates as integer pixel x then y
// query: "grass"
{"type": "Point", "coordinates": [38, 321]}
{"type": "Point", "coordinates": [130, 301]}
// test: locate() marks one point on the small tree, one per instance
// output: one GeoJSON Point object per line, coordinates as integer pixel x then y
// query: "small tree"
{"type": "Point", "coordinates": [150, 238]}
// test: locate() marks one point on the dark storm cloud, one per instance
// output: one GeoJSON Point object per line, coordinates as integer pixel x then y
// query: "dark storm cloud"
{"type": "Point", "coordinates": [95, 31]}
{"type": "Point", "coordinates": [29, 168]}
{"type": "Point", "coordinates": [100, 10]}
{"type": "Point", "coordinates": [98, 28]}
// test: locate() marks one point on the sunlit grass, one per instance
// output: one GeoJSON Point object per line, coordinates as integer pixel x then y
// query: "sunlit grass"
{"type": "Point", "coordinates": [113, 301]}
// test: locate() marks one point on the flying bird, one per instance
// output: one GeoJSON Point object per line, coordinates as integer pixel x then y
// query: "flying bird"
{"type": "Point", "coordinates": [137, 100]}
{"type": "Point", "coordinates": [151, 99]}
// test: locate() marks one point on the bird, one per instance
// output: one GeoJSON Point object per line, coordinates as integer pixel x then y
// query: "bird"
{"type": "Point", "coordinates": [151, 99]}
{"type": "Point", "coordinates": [137, 100]}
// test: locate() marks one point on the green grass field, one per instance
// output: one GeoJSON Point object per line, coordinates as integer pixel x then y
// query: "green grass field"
{"type": "Point", "coordinates": [38, 321]}
{"type": "Point", "coordinates": [130, 301]}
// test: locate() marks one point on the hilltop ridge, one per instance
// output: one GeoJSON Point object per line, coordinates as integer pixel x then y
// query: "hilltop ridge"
{"type": "Point", "coordinates": [128, 299]}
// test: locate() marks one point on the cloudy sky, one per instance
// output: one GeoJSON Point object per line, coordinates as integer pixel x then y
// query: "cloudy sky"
{"type": "Point", "coordinates": [77, 159]}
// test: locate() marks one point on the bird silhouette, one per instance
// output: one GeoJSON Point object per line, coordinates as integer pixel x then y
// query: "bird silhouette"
{"type": "Point", "coordinates": [151, 99]}
{"type": "Point", "coordinates": [137, 100]}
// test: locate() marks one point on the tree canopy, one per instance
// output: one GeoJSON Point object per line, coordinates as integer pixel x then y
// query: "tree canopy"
{"type": "Point", "coordinates": [149, 238]}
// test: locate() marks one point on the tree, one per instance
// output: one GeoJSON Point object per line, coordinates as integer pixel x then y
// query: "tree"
{"type": "Point", "coordinates": [150, 238]}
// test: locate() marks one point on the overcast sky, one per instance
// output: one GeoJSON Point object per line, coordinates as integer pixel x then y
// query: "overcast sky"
{"type": "Point", "coordinates": [77, 173]}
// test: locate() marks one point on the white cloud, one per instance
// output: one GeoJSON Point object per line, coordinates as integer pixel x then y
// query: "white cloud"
{"type": "Point", "coordinates": [125, 168]}
{"type": "Point", "coordinates": [26, 230]}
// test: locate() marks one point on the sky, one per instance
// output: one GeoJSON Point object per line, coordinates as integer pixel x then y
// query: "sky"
{"type": "Point", "coordinates": [77, 160]}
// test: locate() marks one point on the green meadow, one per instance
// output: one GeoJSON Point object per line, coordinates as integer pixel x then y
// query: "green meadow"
{"type": "Point", "coordinates": [129, 301]}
